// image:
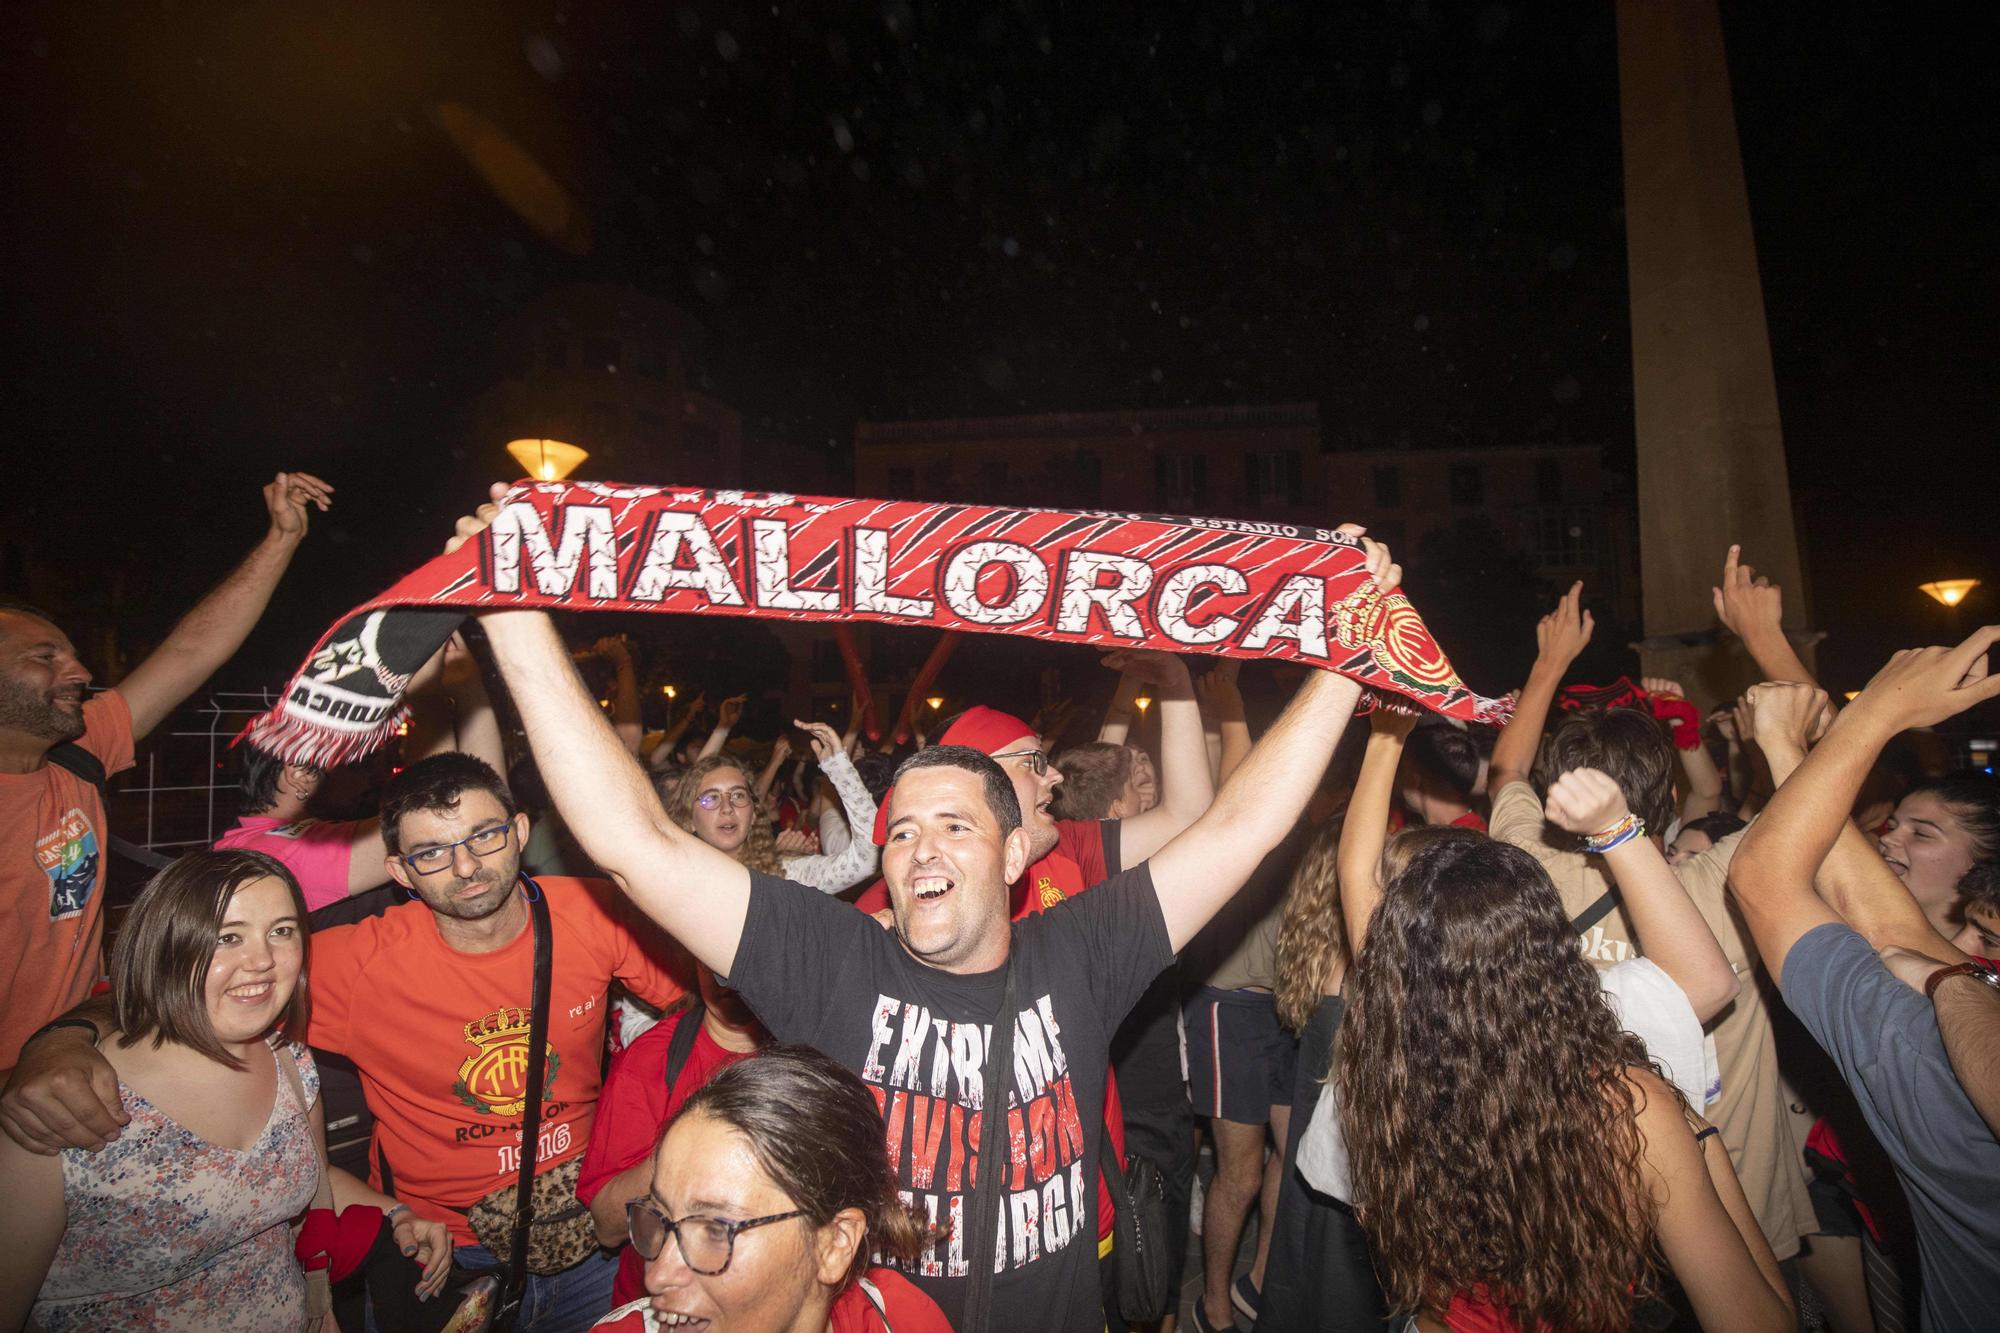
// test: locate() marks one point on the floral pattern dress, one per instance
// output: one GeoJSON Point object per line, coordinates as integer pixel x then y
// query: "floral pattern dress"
{"type": "Point", "coordinates": [168, 1231]}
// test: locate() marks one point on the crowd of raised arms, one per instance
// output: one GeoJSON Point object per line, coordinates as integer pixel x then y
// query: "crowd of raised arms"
{"type": "Point", "coordinates": [1614, 1017]}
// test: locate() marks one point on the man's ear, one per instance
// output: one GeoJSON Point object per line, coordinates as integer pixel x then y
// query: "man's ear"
{"type": "Point", "coordinates": [835, 1243]}
{"type": "Point", "coordinates": [1015, 853]}
{"type": "Point", "coordinates": [520, 830]}
{"type": "Point", "coordinates": [299, 781]}
{"type": "Point", "coordinates": [398, 871]}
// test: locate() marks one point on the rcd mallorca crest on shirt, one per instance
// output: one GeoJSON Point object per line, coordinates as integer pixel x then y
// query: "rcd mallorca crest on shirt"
{"type": "Point", "coordinates": [493, 1080]}
{"type": "Point", "coordinates": [68, 855]}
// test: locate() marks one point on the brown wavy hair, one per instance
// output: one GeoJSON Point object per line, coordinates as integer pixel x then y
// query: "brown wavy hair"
{"type": "Point", "coordinates": [1490, 1125]}
{"type": "Point", "coordinates": [1312, 933]}
{"type": "Point", "coordinates": [815, 1129]}
{"type": "Point", "coordinates": [759, 851]}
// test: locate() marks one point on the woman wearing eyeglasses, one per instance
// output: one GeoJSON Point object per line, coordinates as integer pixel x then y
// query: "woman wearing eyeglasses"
{"type": "Point", "coordinates": [769, 1193]}
{"type": "Point", "coordinates": [715, 801]}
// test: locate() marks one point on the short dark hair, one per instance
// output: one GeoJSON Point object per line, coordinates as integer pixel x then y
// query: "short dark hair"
{"type": "Point", "coordinates": [437, 783]}
{"type": "Point", "coordinates": [876, 772]}
{"type": "Point", "coordinates": [258, 782]}
{"type": "Point", "coordinates": [1445, 755]}
{"type": "Point", "coordinates": [1000, 796]}
{"type": "Point", "coordinates": [22, 608]}
{"type": "Point", "coordinates": [1973, 797]}
{"type": "Point", "coordinates": [1627, 745]}
{"type": "Point", "coordinates": [1094, 776]}
{"type": "Point", "coordinates": [814, 1127]}
{"type": "Point", "coordinates": [1716, 825]}
{"type": "Point", "coordinates": [159, 968]}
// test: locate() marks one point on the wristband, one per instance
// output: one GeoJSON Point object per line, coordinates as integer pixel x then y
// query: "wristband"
{"type": "Point", "coordinates": [96, 1035]}
{"type": "Point", "coordinates": [393, 1213]}
{"type": "Point", "coordinates": [1626, 829]}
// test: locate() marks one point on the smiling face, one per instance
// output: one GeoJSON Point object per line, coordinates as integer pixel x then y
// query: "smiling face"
{"type": "Point", "coordinates": [727, 826]}
{"type": "Point", "coordinates": [1142, 788]}
{"type": "Point", "coordinates": [780, 1277]}
{"type": "Point", "coordinates": [1690, 844]}
{"type": "Point", "coordinates": [948, 866]}
{"type": "Point", "coordinates": [41, 682]}
{"type": "Point", "coordinates": [1930, 851]}
{"type": "Point", "coordinates": [1034, 791]}
{"type": "Point", "coordinates": [471, 887]}
{"type": "Point", "coordinates": [259, 951]}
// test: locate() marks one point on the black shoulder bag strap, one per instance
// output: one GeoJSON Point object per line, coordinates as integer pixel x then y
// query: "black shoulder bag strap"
{"type": "Point", "coordinates": [90, 768]}
{"type": "Point", "coordinates": [1597, 911]}
{"type": "Point", "coordinates": [682, 1044]}
{"type": "Point", "coordinates": [993, 1165]}
{"type": "Point", "coordinates": [531, 1124]}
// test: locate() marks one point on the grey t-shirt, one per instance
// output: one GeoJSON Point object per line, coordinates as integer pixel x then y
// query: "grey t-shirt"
{"type": "Point", "coordinates": [1884, 1036]}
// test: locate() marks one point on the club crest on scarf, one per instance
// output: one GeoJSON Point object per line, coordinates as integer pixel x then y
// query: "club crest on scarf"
{"type": "Point", "coordinates": [1096, 578]}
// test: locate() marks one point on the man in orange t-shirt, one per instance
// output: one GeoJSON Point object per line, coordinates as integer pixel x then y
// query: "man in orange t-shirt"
{"type": "Point", "coordinates": [53, 835]}
{"type": "Point", "coordinates": [431, 1001]}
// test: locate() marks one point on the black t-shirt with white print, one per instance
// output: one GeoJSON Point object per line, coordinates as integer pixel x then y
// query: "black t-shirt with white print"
{"type": "Point", "coordinates": [816, 971]}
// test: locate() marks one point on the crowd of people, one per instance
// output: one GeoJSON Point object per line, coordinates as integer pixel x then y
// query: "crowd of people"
{"type": "Point", "coordinates": [1616, 1016]}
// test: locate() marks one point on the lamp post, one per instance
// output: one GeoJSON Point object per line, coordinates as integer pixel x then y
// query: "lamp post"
{"type": "Point", "coordinates": [1948, 593]}
{"type": "Point", "coordinates": [936, 701]}
{"type": "Point", "coordinates": [546, 460]}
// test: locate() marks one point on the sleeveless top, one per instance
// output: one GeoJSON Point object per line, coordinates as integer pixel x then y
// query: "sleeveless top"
{"type": "Point", "coordinates": [168, 1231]}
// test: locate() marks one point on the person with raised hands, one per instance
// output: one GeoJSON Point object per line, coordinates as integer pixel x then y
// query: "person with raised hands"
{"type": "Point", "coordinates": [922, 1012]}
{"type": "Point", "coordinates": [1750, 1106]}
{"type": "Point", "coordinates": [1908, 1019]}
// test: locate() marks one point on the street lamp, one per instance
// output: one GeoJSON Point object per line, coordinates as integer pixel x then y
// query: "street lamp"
{"type": "Point", "coordinates": [1142, 703]}
{"type": "Point", "coordinates": [546, 460]}
{"type": "Point", "coordinates": [936, 701]}
{"type": "Point", "coordinates": [670, 691]}
{"type": "Point", "coordinates": [1948, 592]}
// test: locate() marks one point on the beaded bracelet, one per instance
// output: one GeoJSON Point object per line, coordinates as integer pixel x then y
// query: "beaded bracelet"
{"type": "Point", "coordinates": [1626, 829]}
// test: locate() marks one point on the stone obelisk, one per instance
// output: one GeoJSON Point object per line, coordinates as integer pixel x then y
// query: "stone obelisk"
{"type": "Point", "coordinates": [1711, 455]}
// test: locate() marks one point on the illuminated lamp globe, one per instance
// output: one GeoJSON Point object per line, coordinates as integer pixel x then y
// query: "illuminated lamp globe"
{"type": "Point", "coordinates": [1143, 702]}
{"type": "Point", "coordinates": [936, 701]}
{"type": "Point", "coordinates": [546, 460]}
{"type": "Point", "coordinates": [1948, 592]}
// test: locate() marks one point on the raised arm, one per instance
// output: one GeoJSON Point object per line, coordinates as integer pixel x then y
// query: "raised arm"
{"type": "Point", "coordinates": [726, 718]}
{"type": "Point", "coordinates": [781, 750]}
{"type": "Point", "coordinates": [1753, 609]}
{"type": "Point", "coordinates": [1701, 789]}
{"type": "Point", "coordinates": [695, 893]}
{"type": "Point", "coordinates": [1202, 868]}
{"type": "Point", "coordinates": [624, 690]}
{"type": "Point", "coordinates": [663, 753]}
{"type": "Point", "coordinates": [1222, 706]}
{"type": "Point", "coordinates": [833, 871]}
{"type": "Point", "coordinates": [210, 634]}
{"type": "Point", "coordinates": [1560, 637]}
{"type": "Point", "coordinates": [1773, 872]}
{"type": "Point", "coordinates": [1366, 827]}
{"type": "Point", "coordinates": [1670, 927]}
{"type": "Point", "coordinates": [1118, 718]}
{"type": "Point", "coordinates": [1185, 787]}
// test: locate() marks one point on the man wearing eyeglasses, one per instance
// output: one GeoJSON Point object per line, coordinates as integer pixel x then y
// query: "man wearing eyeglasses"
{"type": "Point", "coordinates": [431, 1001]}
{"type": "Point", "coordinates": [914, 1011]}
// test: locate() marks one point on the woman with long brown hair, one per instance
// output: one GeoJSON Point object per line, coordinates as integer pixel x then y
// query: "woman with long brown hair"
{"type": "Point", "coordinates": [1514, 1158]}
{"type": "Point", "coordinates": [715, 800]}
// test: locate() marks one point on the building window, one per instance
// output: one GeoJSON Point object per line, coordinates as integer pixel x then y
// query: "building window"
{"type": "Point", "coordinates": [1561, 537]}
{"type": "Point", "coordinates": [1549, 480]}
{"type": "Point", "coordinates": [1468, 484]}
{"type": "Point", "coordinates": [1180, 475]}
{"type": "Point", "coordinates": [1388, 487]}
{"type": "Point", "coordinates": [902, 484]}
{"type": "Point", "coordinates": [1274, 478]}
{"type": "Point", "coordinates": [600, 353]}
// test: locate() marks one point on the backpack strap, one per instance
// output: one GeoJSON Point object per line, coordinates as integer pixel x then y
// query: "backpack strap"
{"type": "Point", "coordinates": [682, 1044]}
{"type": "Point", "coordinates": [1597, 911]}
{"type": "Point", "coordinates": [74, 758]}
{"type": "Point", "coordinates": [874, 1295]}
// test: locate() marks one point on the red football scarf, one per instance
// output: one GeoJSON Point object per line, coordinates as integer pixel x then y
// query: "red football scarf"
{"type": "Point", "coordinates": [1254, 590]}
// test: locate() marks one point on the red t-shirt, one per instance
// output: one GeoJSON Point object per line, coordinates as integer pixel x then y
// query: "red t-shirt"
{"type": "Point", "coordinates": [52, 881]}
{"type": "Point", "coordinates": [1076, 864]}
{"type": "Point", "coordinates": [909, 1310]}
{"type": "Point", "coordinates": [1471, 819]}
{"type": "Point", "coordinates": [633, 1109]}
{"type": "Point", "coordinates": [440, 1037]}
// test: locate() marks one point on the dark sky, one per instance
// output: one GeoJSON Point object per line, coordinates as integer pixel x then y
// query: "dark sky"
{"type": "Point", "coordinates": [238, 241]}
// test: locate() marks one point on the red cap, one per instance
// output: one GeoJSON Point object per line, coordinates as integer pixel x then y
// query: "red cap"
{"type": "Point", "coordinates": [987, 729]}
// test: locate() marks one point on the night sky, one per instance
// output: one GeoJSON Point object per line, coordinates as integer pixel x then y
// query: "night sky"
{"type": "Point", "coordinates": [239, 241]}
